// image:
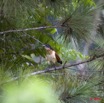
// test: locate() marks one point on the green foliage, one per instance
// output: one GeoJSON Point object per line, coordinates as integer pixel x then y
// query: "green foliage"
{"type": "Point", "coordinates": [31, 90]}
{"type": "Point", "coordinates": [22, 53]}
{"type": "Point", "coordinates": [24, 14]}
{"type": "Point", "coordinates": [73, 55]}
{"type": "Point", "coordinates": [74, 90]}
{"type": "Point", "coordinates": [78, 21]}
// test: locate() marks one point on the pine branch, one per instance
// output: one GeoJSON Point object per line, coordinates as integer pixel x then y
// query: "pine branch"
{"type": "Point", "coordinates": [28, 29]}
{"type": "Point", "coordinates": [79, 94]}
{"type": "Point", "coordinates": [67, 65]}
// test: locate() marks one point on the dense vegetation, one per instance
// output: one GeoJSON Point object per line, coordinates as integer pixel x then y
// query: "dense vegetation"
{"type": "Point", "coordinates": [74, 28]}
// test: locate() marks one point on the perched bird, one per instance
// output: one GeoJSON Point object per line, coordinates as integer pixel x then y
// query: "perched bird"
{"type": "Point", "coordinates": [51, 55]}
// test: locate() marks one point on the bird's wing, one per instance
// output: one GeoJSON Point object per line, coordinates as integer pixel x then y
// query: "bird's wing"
{"type": "Point", "coordinates": [58, 58]}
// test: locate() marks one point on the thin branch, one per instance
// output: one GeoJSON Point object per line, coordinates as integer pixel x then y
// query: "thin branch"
{"type": "Point", "coordinates": [64, 64]}
{"type": "Point", "coordinates": [28, 29]}
{"type": "Point", "coordinates": [60, 67]}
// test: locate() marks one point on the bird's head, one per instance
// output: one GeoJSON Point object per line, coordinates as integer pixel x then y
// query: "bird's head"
{"type": "Point", "coordinates": [47, 47]}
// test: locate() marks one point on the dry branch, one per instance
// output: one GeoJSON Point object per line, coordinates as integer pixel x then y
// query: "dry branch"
{"type": "Point", "coordinates": [28, 29]}
{"type": "Point", "coordinates": [67, 65]}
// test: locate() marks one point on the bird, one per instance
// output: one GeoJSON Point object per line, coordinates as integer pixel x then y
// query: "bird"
{"type": "Point", "coordinates": [51, 55]}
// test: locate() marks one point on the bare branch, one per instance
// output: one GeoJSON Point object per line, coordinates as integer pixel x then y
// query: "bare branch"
{"type": "Point", "coordinates": [60, 67]}
{"type": "Point", "coordinates": [29, 29]}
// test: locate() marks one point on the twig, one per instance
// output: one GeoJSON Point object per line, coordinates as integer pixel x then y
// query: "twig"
{"type": "Point", "coordinates": [28, 29]}
{"type": "Point", "coordinates": [64, 64]}
{"type": "Point", "coordinates": [59, 68]}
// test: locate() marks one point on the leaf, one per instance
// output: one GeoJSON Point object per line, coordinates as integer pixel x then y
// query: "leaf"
{"type": "Point", "coordinates": [28, 57]}
{"type": "Point", "coordinates": [53, 31]}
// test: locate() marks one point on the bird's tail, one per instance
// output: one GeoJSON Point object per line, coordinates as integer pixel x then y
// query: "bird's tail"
{"type": "Point", "coordinates": [59, 62]}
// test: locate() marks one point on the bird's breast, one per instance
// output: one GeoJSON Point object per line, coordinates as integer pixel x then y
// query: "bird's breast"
{"type": "Point", "coordinates": [51, 57]}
